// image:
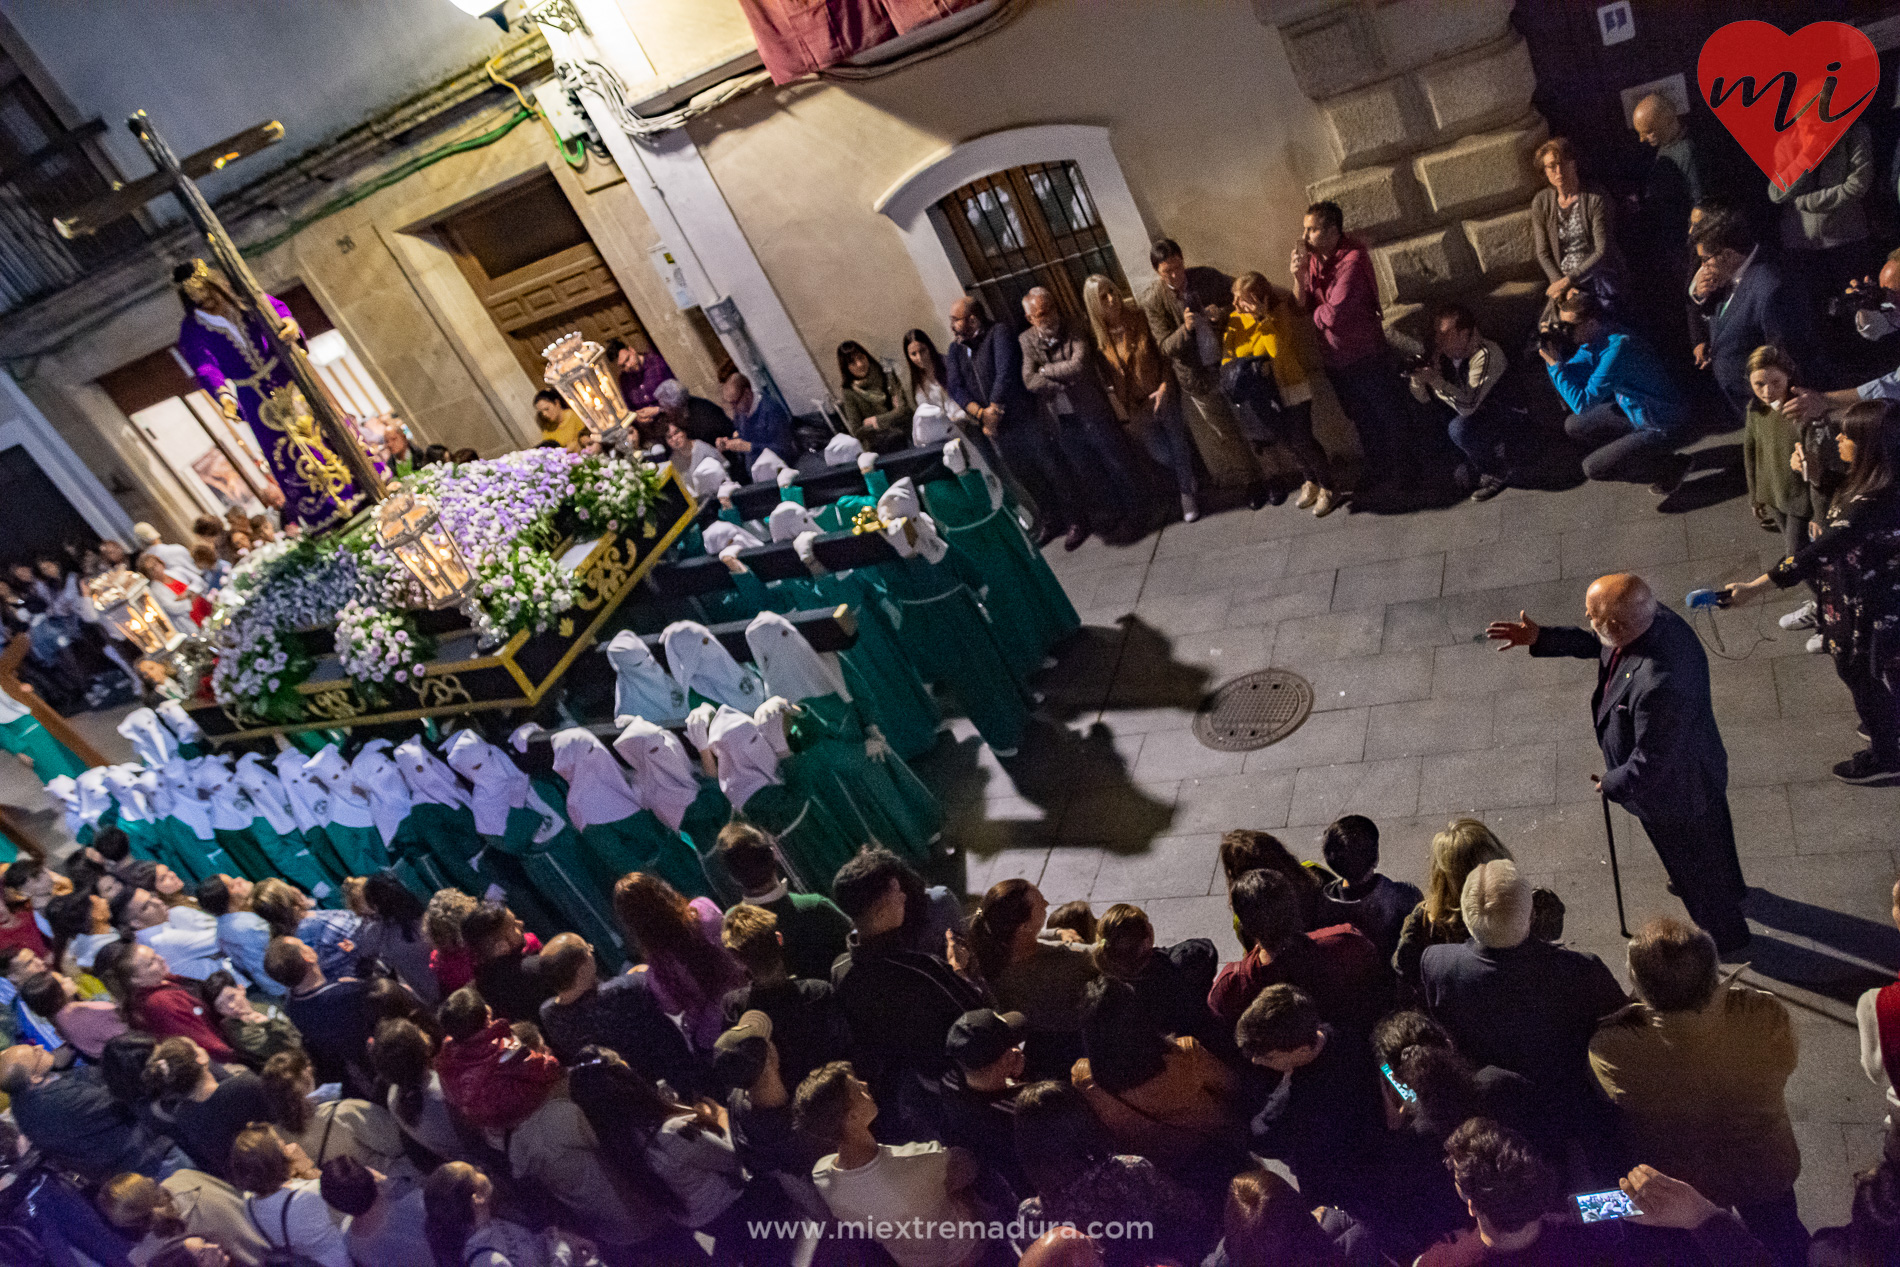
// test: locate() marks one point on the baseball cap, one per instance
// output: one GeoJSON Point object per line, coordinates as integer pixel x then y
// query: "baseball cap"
{"type": "Point", "coordinates": [981, 1037]}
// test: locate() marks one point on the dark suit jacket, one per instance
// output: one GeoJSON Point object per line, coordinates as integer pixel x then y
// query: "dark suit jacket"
{"type": "Point", "coordinates": [1531, 1008]}
{"type": "Point", "coordinates": [990, 372]}
{"type": "Point", "coordinates": [1762, 307]}
{"type": "Point", "coordinates": [1662, 752]}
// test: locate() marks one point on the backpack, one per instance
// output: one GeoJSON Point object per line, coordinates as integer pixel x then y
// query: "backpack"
{"type": "Point", "coordinates": [279, 1255]}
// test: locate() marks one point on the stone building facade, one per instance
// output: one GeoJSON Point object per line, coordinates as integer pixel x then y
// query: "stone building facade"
{"type": "Point", "coordinates": [1427, 105]}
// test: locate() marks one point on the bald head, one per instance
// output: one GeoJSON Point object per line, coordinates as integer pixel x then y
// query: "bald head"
{"type": "Point", "coordinates": [1620, 608]}
{"type": "Point", "coordinates": [1062, 1247]}
{"type": "Point", "coordinates": [567, 965]}
{"type": "Point", "coordinates": [1655, 120]}
{"type": "Point", "coordinates": [20, 1065]}
{"type": "Point", "coordinates": [966, 319]}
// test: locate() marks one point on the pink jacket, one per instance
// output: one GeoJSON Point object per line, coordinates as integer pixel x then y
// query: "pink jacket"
{"type": "Point", "coordinates": [1343, 298]}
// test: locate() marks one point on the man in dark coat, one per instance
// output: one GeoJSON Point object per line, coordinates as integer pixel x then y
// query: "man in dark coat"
{"type": "Point", "coordinates": [1662, 752]}
{"type": "Point", "coordinates": [1749, 304]}
{"type": "Point", "coordinates": [983, 372]}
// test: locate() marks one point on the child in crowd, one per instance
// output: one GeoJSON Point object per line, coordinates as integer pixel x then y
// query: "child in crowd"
{"type": "Point", "coordinates": [1374, 904]}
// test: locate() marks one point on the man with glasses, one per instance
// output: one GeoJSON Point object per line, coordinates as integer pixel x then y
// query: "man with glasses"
{"type": "Point", "coordinates": [1624, 404]}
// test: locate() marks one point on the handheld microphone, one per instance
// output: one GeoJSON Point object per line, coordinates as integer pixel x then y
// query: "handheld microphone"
{"type": "Point", "coordinates": [1707, 598]}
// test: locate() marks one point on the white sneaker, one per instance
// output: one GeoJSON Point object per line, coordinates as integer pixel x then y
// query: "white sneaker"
{"type": "Point", "coordinates": [1816, 644]}
{"type": "Point", "coordinates": [1309, 493]}
{"type": "Point", "coordinates": [1323, 504]}
{"type": "Point", "coordinates": [1802, 617]}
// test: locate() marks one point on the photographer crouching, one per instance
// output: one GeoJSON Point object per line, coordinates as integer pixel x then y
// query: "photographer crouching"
{"type": "Point", "coordinates": [1624, 404]}
{"type": "Point", "coordinates": [1460, 375]}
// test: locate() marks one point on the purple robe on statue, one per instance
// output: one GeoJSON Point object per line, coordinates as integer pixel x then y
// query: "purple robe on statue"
{"type": "Point", "coordinates": [318, 489]}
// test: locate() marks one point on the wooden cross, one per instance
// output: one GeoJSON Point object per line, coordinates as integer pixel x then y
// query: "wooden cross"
{"type": "Point", "coordinates": [176, 178]}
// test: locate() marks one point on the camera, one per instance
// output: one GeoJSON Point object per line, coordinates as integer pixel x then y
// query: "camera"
{"type": "Point", "coordinates": [1557, 340]}
{"type": "Point", "coordinates": [1862, 295]}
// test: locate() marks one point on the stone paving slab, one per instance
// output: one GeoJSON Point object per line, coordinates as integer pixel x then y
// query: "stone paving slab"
{"type": "Point", "coordinates": [1416, 720]}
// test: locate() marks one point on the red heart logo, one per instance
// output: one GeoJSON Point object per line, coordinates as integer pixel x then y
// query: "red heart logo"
{"type": "Point", "coordinates": [1787, 98]}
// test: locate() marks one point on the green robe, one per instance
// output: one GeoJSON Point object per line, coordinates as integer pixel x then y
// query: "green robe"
{"type": "Point", "coordinates": [1020, 591]}
{"type": "Point", "coordinates": [24, 736]}
{"type": "Point", "coordinates": [877, 800]}
{"type": "Point", "coordinates": [195, 860]}
{"type": "Point", "coordinates": [292, 858]}
{"type": "Point", "coordinates": [641, 842]}
{"type": "Point", "coordinates": [560, 883]}
{"type": "Point", "coordinates": [360, 848]}
{"type": "Point", "coordinates": [811, 841]}
{"type": "Point", "coordinates": [242, 848]}
{"type": "Point", "coordinates": [949, 640]}
{"type": "Point", "coordinates": [883, 683]}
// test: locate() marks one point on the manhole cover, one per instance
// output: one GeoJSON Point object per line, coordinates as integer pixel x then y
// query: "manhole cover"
{"type": "Point", "coordinates": [1253, 711]}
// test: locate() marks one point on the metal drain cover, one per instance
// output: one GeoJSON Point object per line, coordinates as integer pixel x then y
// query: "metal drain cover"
{"type": "Point", "coordinates": [1253, 711]}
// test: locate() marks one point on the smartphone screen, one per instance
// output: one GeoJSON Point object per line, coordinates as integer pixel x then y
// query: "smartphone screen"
{"type": "Point", "coordinates": [1598, 1206]}
{"type": "Point", "coordinates": [1405, 1093]}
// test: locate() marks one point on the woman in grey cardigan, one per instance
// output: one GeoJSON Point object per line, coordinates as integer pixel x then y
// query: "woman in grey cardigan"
{"type": "Point", "coordinates": [1573, 229]}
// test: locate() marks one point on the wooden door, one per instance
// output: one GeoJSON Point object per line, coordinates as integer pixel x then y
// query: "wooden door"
{"type": "Point", "coordinates": [529, 259]}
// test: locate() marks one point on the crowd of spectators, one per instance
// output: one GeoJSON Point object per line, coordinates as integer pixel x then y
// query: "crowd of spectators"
{"type": "Point", "coordinates": [237, 1076]}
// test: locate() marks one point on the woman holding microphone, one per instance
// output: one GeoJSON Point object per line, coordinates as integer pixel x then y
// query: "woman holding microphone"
{"type": "Point", "coordinates": [1854, 565]}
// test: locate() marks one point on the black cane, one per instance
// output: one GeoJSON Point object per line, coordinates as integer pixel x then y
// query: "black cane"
{"type": "Point", "coordinates": [1616, 875]}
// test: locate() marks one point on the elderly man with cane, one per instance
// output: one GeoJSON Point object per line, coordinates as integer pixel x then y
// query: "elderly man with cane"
{"type": "Point", "coordinates": [1663, 755]}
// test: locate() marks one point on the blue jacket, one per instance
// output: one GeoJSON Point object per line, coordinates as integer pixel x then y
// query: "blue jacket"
{"type": "Point", "coordinates": [1622, 369]}
{"type": "Point", "coordinates": [1662, 751]}
{"type": "Point", "coordinates": [767, 426]}
{"type": "Point", "coordinates": [1761, 308]}
{"type": "Point", "coordinates": [990, 373]}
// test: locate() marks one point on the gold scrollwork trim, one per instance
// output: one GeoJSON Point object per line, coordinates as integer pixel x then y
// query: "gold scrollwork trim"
{"type": "Point", "coordinates": [606, 572]}
{"type": "Point", "coordinates": [339, 703]}
{"type": "Point", "coordinates": [441, 691]}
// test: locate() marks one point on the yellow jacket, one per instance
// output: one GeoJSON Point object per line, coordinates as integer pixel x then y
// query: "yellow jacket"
{"type": "Point", "coordinates": [1263, 334]}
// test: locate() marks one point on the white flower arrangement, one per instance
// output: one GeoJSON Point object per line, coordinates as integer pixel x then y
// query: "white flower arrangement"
{"type": "Point", "coordinates": [376, 645]}
{"type": "Point", "coordinates": [525, 588]}
{"type": "Point", "coordinates": [610, 492]}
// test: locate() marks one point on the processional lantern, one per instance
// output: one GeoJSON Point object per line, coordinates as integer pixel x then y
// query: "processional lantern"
{"type": "Point", "coordinates": [410, 528]}
{"type": "Point", "coordinates": [126, 601]}
{"type": "Point", "coordinates": [578, 368]}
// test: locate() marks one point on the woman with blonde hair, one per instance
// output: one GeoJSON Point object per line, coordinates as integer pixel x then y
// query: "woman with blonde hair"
{"type": "Point", "coordinates": [1142, 382]}
{"type": "Point", "coordinates": [1436, 921]}
{"type": "Point", "coordinates": [1261, 374]}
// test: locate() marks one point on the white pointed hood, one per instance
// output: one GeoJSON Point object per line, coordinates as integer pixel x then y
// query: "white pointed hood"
{"type": "Point", "coordinates": [917, 532]}
{"type": "Point", "coordinates": [376, 773]}
{"type": "Point", "coordinates": [597, 791]}
{"type": "Point", "coordinates": [348, 806]}
{"type": "Point", "coordinates": [707, 475]}
{"type": "Point", "coordinates": [429, 780]}
{"type": "Point", "coordinates": [11, 708]}
{"type": "Point", "coordinates": [63, 789]}
{"type": "Point", "coordinates": [267, 793]}
{"type": "Point", "coordinates": [153, 744]}
{"type": "Point", "coordinates": [790, 665]}
{"type": "Point", "coordinates": [498, 784]}
{"type": "Point", "coordinates": [178, 778]}
{"type": "Point", "coordinates": [662, 772]}
{"type": "Point", "coordinates": [745, 757]}
{"type": "Point", "coordinates": [766, 466]}
{"type": "Point", "coordinates": [722, 534]}
{"type": "Point", "coordinates": [122, 781]}
{"type": "Point", "coordinates": [788, 519]}
{"type": "Point", "coordinates": [229, 804]}
{"type": "Point", "coordinates": [842, 450]}
{"type": "Point", "coordinates": [698, 726]}
{"type": "Point", "coordinates": [701, 663]}
{"type": "Point", "coordinates": [309, 798]}
{"type": "Point", "coordinates": [642, 688]}
{"type": "Point", "coordinates": [179, 722]}
{"type": "Point", "coordinates": [95, 798]}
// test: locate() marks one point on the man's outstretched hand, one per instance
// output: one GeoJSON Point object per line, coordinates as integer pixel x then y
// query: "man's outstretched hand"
{"type": "Point", "coordinates": [1521, 632]}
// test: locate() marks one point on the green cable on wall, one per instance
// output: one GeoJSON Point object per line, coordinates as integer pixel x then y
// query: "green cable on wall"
{"type": "Point", "coordinates": [393, 176]}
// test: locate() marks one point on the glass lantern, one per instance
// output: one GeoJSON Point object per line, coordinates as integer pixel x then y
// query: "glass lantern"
{"type": "Point", "coordinates": [409, 528]}
{"type": "Point", "coordinates": [590, 383]}
{"type": "Point", "coordinates": [125, 601]}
